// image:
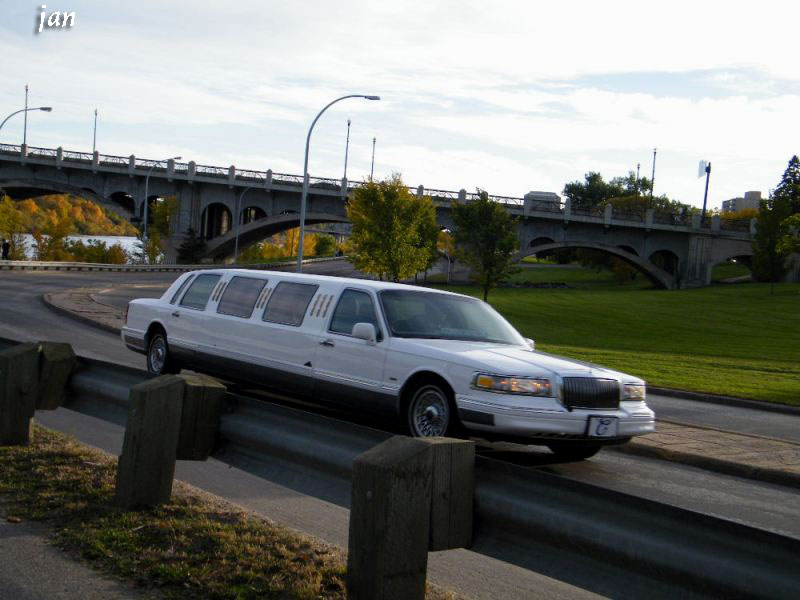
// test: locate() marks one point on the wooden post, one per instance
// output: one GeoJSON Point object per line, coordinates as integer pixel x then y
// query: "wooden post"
{"type": "Point", "coordinates": [453, 482]}
{"type": "Point", "coordinates": [147, 464]}
{"type": "Point", "coordinates": [389, 521]}
{"type": "Point", "coordinates": [56, 361]}
{"type": "Point", "coordinates": [19, 387]}
{"type": "Point", "coordinates": [202, 408]}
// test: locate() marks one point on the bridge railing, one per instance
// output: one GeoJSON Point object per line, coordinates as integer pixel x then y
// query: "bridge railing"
{"type": "Point", "coordinates": [249, 176]}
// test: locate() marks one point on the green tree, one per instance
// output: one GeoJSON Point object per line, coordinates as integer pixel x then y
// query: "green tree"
{"type": "Point", "coordinates": [486, 239]}
{"type": "Point", "coordinates": [50, 242]}
{"type": "Point", "coordinates": [389, 227]}
{"type": "Point", "coordinates": [773, 227]}
{"type": "Point", "coordinates": [192, 248]}
{"type": "Point", "coordinates": [788, 190]}
{"type": "Point", "coordinates": [325, 245]}
{"type": "Point", "coordinates": [790, 241]}
{"type": "Point", "coordinates": [769, 258]}
{"type": "Point", "coordinates": [592, 192]}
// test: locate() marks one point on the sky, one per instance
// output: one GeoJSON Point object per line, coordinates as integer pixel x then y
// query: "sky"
{"type": "Point", "coordinates": [507, 96]}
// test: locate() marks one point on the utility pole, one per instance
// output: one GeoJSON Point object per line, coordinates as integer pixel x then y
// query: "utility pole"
{"type": "Point", "coordinates": [25, 126]}
{"type": "Point", "coordinates": [653, 178]}
{"type": "Point", "coordinates": [94, 137]}
{"type": "Point", "coordinates": [372, 168]}
{"type": "Point", "coordinates": [638, 179]}
{"type": "Point", "coordinates": [346, 148]}
{"type": "Point", "coordinates": [705, 196]}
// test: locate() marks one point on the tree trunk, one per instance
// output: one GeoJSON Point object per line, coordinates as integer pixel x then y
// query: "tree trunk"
{"type": "Point", "coordinates": [486, 293]}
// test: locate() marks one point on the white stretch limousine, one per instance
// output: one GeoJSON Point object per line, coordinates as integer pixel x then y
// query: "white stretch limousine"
{"type": "Point", "coordinates": [441, 362]}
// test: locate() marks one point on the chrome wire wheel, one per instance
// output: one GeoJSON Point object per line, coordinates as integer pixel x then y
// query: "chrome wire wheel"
{"type": "Point", "coordinates": [429, 412]}
{"type": "Point", "coordinates": [157, 355]}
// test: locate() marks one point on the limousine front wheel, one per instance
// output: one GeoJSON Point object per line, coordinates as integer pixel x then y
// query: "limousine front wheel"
{"type": "Point", "coordinates": [430, 412]}
{"type": "Point", "coordinates": [159, 360]}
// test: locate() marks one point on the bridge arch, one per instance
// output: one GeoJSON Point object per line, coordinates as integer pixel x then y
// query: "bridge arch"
{"type": "Point", "coordinates": [666, 260]}
{"type": "Point", "coordinates": [629, 249]}
{"type": "Point", "coordinates": [255, 231]}
{"type": "Point", "coordinates": [250, 214]}
{"type": "Point", "coordinates": [215, 220]}
{"type": "Point", "coordinates": [654, 273]}
{"type": "Point", "coordinates": [29, 188]}
{"type": "Point", "coordinates": [125, 200]}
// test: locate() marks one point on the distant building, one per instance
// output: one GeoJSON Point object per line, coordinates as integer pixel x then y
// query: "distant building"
{"type": "Point", "coordinates": [750, 200]}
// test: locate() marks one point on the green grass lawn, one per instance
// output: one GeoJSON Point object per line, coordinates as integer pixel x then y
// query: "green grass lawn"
{"type": "Point", "coordinates": [734, 340]}
{"type": "Point", "coordinates": [727, 270]}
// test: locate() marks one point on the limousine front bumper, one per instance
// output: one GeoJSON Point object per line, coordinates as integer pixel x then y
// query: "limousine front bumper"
{"type": "Point", "coordinates": [549, 420]}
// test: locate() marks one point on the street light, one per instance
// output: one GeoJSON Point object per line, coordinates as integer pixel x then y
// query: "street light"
{"type": "Point", "coordinates": [305, 175]}
{"type": "Point", "coordinates": [146, 183]}
{"type": "Point", "coordinates": [238, 220]}
{"type": "Point", "coordinates": [25, 110]}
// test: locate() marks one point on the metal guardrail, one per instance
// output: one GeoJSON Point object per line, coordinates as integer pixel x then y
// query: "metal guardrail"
{"type": "Point", "coordinates": [32, 265]}
{"type": "Point", "coordinates": [603, 540]}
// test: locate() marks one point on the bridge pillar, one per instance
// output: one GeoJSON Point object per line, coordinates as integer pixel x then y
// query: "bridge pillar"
{"type": "Point", "coordinates": [268, 179]}
{"type": "Point", "coordinates": [567, 210]}
{"type": "Point", "coordinates": [170, 169]}
{"type": "Point", "coordinates": [131, 165]}
{"type": "Point", "coordinates": [231, 176]}
{"type": "Point", "coordinates": [608, 211]}
{"type": "Point", "coordinates": [648, 218]}
{"type": "Point", "coordinates": [344, 187]}
{"type": "Point", "coordinates": [95, 161]}
{"type": "Point", "coordinates": [697, 269]}
{"type": "Point", "coordinates": [23, 153]}
{"type": "Point", "coordinates": [59, 157]}
{"type": "Point", "coordinates": [420, 191]}
{"type": "Point", "coordinates": [715, 223]}
{"type": "Point", "coordinates": [191, 171]}
{"type": "Point", "coordinates": [695, 221]}
{"type": "Point", "coordinates": [462, 196]}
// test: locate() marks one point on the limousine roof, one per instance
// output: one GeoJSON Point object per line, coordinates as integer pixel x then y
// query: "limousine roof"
{"type": "Point", "coordinates": [309, 278]}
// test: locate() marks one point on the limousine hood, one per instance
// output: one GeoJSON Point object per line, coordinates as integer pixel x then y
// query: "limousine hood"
{"type": "Point", "coordinates": [505, 359]}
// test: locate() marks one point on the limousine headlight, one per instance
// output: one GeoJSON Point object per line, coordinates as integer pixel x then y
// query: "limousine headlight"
{"type": "Point", "coordinates": [634, 391]}
{"type": "Point", "coordinates": [528, 386]}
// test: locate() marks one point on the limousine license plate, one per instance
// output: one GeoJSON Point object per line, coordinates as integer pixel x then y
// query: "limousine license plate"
{"type": "Point", "coordinates": [602, 426]}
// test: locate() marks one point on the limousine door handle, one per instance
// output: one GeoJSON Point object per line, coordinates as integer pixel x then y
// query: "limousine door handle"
{"type": "Point", "coordinates": [176, 314]}
{"type": "Point", "coordinates": [327, 343]}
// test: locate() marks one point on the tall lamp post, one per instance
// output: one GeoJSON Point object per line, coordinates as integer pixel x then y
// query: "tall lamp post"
{"type": "Point", "coordinates": [94, 135]}
{"type": "Point", "coordinates": [372, 165]}
{"type": "Point", "coordinates": [346, 148]}
{"type": "Point", "coordinates": [305, 174]}
{"type": "Point", "coordinates": [238, 221]}
{"type": "Point", "coordinates": [25, 110]}
{"type": "Point", "coordinates": [146, 183]}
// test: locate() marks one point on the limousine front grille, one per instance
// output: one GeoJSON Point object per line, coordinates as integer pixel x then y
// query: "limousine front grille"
{"type": "Point", "coordinates": [588, 392]}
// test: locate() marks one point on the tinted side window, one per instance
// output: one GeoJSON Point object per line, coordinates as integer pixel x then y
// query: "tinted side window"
{"type": "Point", "coordinates": [353, 307]}
{"type": "Point", "coordinates": [240, 296]}
{"type": "Point", "coordinates": [197, 294]}
{"type": "Point", "coordinates": [289, 302]}
{"type": "Point", "coordinates": [177, 294]}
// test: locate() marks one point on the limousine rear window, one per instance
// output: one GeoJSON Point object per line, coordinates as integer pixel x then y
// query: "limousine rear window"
{"type": "Point", "coordinates": [412, 314]}
{"type": "Point", "coordinates": [182, 287]}
{"type": "Point", "coordinates": [240, 296]}
{"type": "Point", "coordinates": [288, 303]}
{"type": "Point", "coordinates": [197, 294]}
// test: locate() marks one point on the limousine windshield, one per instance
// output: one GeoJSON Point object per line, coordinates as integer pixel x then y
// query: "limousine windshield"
{"type": "Point", "coordinates": [412, 314]}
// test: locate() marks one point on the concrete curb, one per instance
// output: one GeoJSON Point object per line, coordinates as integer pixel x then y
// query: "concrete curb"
{"type": "Point", "coordinates": [725, 400]}
{"type": "Point", "coordinates": [47, 301]}
{"type": "Point", "coordinates": [710, 463]}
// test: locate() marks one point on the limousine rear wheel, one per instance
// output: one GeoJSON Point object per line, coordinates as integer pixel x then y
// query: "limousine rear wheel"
{"type": "Point", "coordinates": [159, 360]}
{"type": "Point", "coordinates": [430, 412]}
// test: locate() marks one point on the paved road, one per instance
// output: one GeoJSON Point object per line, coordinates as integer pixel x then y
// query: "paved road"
{"type": "Point", "coordinates": [24, 316]}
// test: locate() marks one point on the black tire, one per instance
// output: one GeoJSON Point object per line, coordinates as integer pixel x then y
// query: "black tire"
{"type": "Point", "coordinates": [159, 359]}
{"type": "Point", "coordinates": [575, 451]}
{"type": "Point", "coordinates": [430, 411]}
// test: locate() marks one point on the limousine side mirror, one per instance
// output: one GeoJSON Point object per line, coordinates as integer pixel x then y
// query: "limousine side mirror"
{"type": "Point", "coordinates": [531, 343]}
{"type": "Point", "coordinates": [365, 331]}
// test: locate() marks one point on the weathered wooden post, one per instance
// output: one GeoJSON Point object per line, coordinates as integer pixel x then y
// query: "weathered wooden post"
{"type": "Point", "coordinates": [202, 409]}
{"type": "Point", "coordinates": [19, 389]}
{"type": "Point", "coordinates": [56, 361]}
{"type": "Point", "coordinates": [452, 491]}
{"type": "Point", "coordinates": [389, 521]}
{"type": "Point", "coordinates": [147, 464]}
